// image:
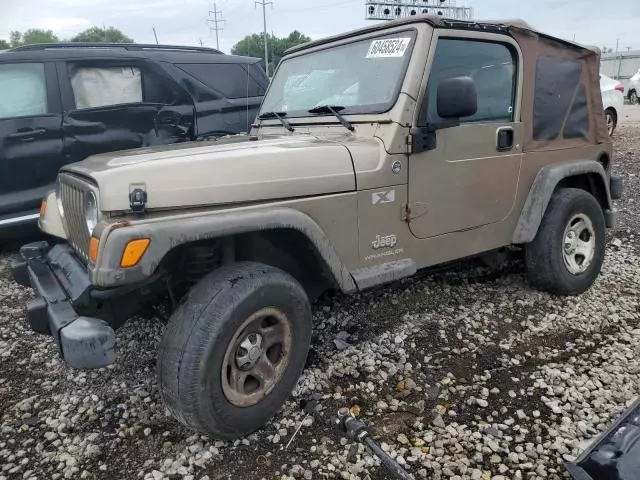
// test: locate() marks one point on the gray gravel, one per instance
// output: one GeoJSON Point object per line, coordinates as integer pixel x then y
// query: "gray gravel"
{"type": "Point", "coordinates": [462, 374]}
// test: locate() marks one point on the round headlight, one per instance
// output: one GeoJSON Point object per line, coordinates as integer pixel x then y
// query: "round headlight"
{"type": "Point", "coordinates": [91, 210]}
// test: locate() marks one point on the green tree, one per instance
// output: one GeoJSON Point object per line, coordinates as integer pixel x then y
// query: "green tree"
{"type": "Point", "coordinates": [31, 36]}
{"type": "Point", "coordinates": [253, 46]}
{"type": "Point", "coordinates": [15, 39]}
{"type": "Point", "coordinates": [102, 35]}
{"type": "Point", "coordinates": [4, 45]}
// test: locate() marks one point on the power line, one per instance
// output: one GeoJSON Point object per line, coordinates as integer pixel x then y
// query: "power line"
{"type": "Point", "coordinates": [216, 23]}
{"type": "Point", "coordinates": [264, 4]}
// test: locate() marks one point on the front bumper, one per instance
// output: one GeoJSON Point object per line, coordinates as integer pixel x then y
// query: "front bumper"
{"type": "Point", "coordinates": [61, 282]}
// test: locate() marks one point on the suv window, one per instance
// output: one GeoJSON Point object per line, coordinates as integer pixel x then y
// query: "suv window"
{"type": "Point", "coordinates": [493, 69]}
{"type": "Point", "coordinates": [23, 90]}
{"type": "Point", "coordinates": [105, 86]}
{"type": "Point", "coordinates": [232, 80]}
{"type": "Point", "coordinates": [100, 87]}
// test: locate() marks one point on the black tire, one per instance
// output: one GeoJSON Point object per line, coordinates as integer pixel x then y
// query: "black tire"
{"type": "Point", "coordinates": [196, 341]}
{"type": "Point", "coordinates": [545, 259]}
{"type": "Point", "coordinates": [633, 97]}
{"type": "Point", "coordinates": [612, 120]}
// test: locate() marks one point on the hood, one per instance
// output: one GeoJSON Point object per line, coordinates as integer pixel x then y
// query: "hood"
{"type": "Point", "coordinates": [240, 169]}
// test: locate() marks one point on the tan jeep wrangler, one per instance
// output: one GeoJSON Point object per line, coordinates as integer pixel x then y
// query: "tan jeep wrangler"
{"type": "Point", "coordinates": [377, 153]}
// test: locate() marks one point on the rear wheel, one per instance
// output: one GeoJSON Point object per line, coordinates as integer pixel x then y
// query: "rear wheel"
{"type": "Point", "coordinates": [633, 97]}
{"type": "Point", "coordinates": [612, 120]}
{"type": "Point", "coordinates": [234, 349]}
{"type": "Point", "coordinates": [567, 254]}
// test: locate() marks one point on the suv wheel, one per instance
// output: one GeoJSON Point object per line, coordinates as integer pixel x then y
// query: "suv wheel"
{"type": "Point", "coordinates": [234, 349]}
{"type": "Point", "coordinates": [567, 254]}
{"type": "Point", "coordinates": [633, 97]}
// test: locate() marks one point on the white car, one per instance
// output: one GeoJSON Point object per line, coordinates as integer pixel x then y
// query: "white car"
{"type": "Point", "coordinates": [633, 92]}
{"type": "Point", "coordinates": [613, 101]}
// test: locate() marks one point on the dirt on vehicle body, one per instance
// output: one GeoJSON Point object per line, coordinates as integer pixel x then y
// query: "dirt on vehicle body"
{"type": "Point", "coordinates": [376, 153]}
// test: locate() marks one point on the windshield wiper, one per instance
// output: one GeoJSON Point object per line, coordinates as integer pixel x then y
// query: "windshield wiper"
{"type": "Point", "coordinates": [280, 116]}
{"type": "Point", "coordinates": [335, 110]}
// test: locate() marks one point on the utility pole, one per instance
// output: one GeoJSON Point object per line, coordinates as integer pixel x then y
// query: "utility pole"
{"type": "Point", "coordinates": [215, 21]}
{"type": "Point", "coordinates": [155, 34]}
{"type": "Point", "coordinates": [264, 4]}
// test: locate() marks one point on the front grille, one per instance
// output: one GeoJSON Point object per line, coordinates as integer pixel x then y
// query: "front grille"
{"type": "Point", "coordinates": [72, 194]}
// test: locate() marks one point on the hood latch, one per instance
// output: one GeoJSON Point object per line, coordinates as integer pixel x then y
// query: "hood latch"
{"type": "Point", "coordinates": [138, 199]}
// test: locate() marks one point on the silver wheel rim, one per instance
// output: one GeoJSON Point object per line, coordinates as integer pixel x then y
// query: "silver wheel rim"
{"type": "Point", "coordinates": [579, 244]}
{"type": "Point", "coordinates": [634, 97]}
{"type": "Point", "coordinates": [610, 124]}
{"type": "Point", "coordinates": [257, 357]}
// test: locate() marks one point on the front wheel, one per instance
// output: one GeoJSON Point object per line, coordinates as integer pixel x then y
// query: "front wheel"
{"type": "Point", "coordinates": [567, 254]}
{"type": "Point", "coordinates": [234, 349]}
{"type": "Point", "coordinates": [633, 98]}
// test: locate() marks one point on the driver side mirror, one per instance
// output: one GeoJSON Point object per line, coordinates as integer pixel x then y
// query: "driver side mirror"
{"type": "Point", "coordinates": [457, 98]}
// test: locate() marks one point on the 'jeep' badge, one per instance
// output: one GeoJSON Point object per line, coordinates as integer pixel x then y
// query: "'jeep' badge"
{"type": "Point", "coordinates": [387, 241]}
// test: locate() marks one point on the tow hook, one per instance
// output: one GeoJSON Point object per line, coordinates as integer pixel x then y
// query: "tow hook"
{"type": "Point", "coordinates": [357, 430]}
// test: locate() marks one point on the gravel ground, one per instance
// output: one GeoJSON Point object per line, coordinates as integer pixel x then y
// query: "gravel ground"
{"type": "Point", "coordinates": [463, 374]}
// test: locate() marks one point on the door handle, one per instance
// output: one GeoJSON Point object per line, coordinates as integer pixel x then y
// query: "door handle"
{"type": "Point", "coordinates": [505, 139]}
{"type": "Point", "coordinates": [27, 135]}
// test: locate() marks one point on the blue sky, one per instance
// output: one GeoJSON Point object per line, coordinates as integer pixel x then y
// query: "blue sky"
{"type": "Point", "coordinates": [593, 22]}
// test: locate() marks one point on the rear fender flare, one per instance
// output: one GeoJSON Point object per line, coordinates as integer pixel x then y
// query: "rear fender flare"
{"type": "Point", "coordinates": [542, 189]}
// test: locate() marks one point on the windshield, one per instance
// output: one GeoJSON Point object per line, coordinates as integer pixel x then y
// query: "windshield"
{"type": "Point", "coordinates": [363, 76]}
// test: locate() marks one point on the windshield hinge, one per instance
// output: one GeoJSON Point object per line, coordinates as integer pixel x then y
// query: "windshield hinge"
{"type": "Point", "coordinates": [412, 211]}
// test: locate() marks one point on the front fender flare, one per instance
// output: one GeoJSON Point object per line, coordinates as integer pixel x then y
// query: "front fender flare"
{"type": "Point", "coordinates": [542, 189]}
{"type": "Point", "coordinates": [167, 233]}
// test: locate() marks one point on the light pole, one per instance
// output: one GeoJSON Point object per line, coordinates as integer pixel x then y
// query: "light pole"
{"type": "Point", "coordinates": [264, 4]}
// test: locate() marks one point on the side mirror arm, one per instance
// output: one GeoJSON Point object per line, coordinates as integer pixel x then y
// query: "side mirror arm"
{"type": "Point", "coordinates": [424, 139]}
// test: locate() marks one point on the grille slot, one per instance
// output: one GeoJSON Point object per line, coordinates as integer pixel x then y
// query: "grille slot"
{"type": "Point", "coordinates": [72, 194]}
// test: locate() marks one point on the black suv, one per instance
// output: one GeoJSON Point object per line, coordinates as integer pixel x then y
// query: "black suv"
{"type": "Point", "coordinates": [60, 103]}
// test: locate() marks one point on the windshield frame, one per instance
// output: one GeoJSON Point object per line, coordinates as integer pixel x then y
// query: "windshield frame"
{"type": "Point", "coordinates": [373, 109]}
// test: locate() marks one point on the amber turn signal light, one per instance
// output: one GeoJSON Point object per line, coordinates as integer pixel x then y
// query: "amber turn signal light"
{"type": "Point", "coordinates": [133, 252]}
{"type": "Point", "coordinates": [43, 208]}
{"type": "Point", "coordinates": [94, 243]}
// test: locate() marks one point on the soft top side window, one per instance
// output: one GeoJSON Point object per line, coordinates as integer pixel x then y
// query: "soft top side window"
{"type": "Point", "coordinates": [23, 90]}
{"type": "Point", "coordinates": [491, 65]}
{"type": "Point", "coordinates": [560, 100]}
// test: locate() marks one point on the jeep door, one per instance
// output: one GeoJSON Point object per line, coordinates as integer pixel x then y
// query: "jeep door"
{"type": "Point", "coordinates": [30, 138]}
{"type": "Point", "coordinates": [227, 95]}
{"type": "Point", "coordinates": [118, 104]}
{"type": "Point", "coordinates": [470, 178]}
